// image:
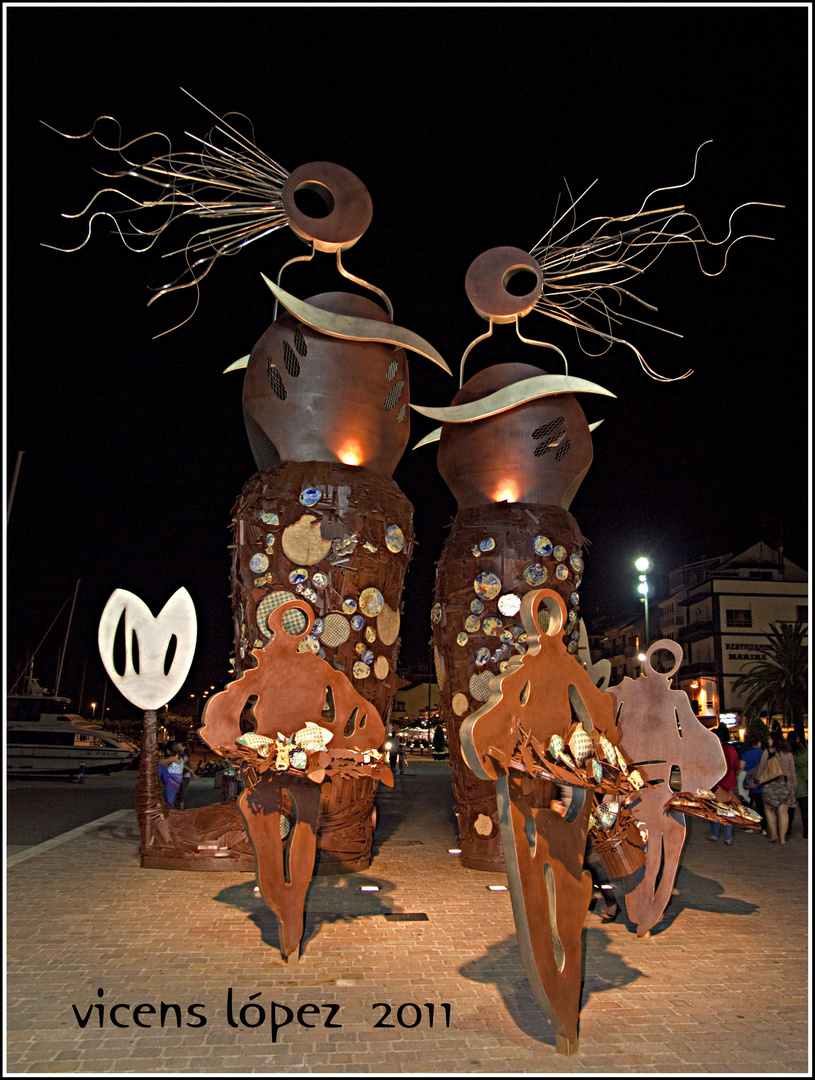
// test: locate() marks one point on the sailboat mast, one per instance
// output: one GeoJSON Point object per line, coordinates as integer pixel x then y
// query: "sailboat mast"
{"type": "Point", "coordinates": [65, 642]}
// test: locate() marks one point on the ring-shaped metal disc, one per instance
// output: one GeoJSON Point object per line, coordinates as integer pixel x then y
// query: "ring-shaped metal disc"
{"type": "Point", "coordinates": [347, 197]}
{"type": "Point", "coordinates": [487, 279]}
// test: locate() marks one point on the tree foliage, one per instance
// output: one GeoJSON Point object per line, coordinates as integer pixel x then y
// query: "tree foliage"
{"type": "Point", "coordinates": [778, 683]}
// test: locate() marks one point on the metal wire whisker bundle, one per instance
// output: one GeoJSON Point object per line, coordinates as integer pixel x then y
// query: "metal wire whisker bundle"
{"type": "Point", "coordinates": [585, 269]}
{"type": "Point", "coordinates": [235, 181]}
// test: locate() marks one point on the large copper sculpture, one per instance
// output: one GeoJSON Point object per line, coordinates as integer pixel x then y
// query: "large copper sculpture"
{"type": "Point", "coordinates": [513, 449]}
{"type": "Point", "coordinates": [298, 727]}
{"type": "Point", "coordinates": [325, 406]}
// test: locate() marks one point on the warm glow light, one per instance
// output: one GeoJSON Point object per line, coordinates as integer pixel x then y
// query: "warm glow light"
{"type": "Point", "coordinates": [350, 453]}
{"type": "Point", "coordinates": [507, 492]}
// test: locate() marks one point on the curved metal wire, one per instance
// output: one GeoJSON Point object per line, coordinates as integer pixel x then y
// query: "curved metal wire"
{"type": "Point", "coordinates": [226, 176]}
{"type": "Point", "coordinates": [584, 270]}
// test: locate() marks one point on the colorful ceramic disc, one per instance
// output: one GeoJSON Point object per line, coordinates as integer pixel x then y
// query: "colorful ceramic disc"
{"type": "Point", "coordinates": [482, 657]}
{"type": "Point", "coordinates": [320, 580]}
{"type": "Point", "coordinates": [576, 562]}
{"type": "Point", "coordinates": [269, 543]}
{"type": "Point", "coordinates": [268, 517]}
{"type": "Point", "coordinates": [506, 636]}
{"type": "Point", "coordinates": [472, 624]}
{"type": "Point", "coordinates": [476, 606]}
{"type": "Point", "coordinates": [509, 604]}
{"type": "Point", "coordinates": [572, 647]}
{"type": "Point", "coordinates": [336, 629]}
{"type": "Point", "coordinates": [294, 621]}
{"type": "Point", "coordinates": [394, 538]}
{"type": "Point", "coordinates": [360, 670]}
{"type": "Point", "coordinates": [476, 550]}
{"type": "Point", "coordinates": [435, 613]}
{"type": "Point", "coordinates": [574, 599]}
{"type": "Point", "coordinates": [487, 585]}
{"type": "Point", "coordinates": [370, 635]}
{"type": "Point", "coordinates": [561, 572]}
{"type": "Point", "coordinates": [258, 563]}
{"type": "Point", "coordinates": [298, 576]}
{"type": "Point", "coordinates": [349, 606]}
{"type": "Point", "coordinates": [487, 545]}
{"type": "Point", "coordinates": [542, 545]}
{"type": "Point", "coordinates": [371, 602]}
{"type": "Point", "coordinates": [559, 553]}
{"type": "Point", "coordinates": [535, 575]}
{"type": "Point", "coordinates": [367, 657]}
{"type": "Point", "coordinates": [310, 496]}
{"type": "Point", "coordinates": [491, 625]}
{"type": "Point", "coordinates": [357, 622]}
{"type": "Point", "coordinates": [462, 638]}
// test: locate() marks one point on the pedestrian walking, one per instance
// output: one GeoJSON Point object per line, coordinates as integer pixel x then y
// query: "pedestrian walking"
{"type": "Point", "coordinates": [779, 792]}
{"type": "Point", "coordinates": [727, 785]}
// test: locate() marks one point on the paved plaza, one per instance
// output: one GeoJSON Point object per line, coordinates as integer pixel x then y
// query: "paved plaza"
{"type": "Point", "coordinates": [722, 986]}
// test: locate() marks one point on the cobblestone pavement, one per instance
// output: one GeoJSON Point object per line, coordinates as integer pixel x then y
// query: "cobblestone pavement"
{"type": "Point", "coordinates": [720, 987]}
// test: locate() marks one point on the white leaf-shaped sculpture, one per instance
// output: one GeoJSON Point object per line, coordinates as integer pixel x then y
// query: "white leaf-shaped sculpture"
{"type": "Point", "coordinates": [149, 687]}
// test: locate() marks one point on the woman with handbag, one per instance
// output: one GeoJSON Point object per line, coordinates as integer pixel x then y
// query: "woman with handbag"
{"type": "Point", "coordinates": [779, 782]}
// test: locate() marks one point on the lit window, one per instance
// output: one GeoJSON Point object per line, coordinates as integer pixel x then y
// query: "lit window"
{"type": "Point", "coordinates": [737, 617]}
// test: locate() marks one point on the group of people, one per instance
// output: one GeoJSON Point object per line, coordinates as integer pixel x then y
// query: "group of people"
{"type": "Point", "coordinates": [776, 799]}
{"type": "Point", "coordinates": [175, 773]}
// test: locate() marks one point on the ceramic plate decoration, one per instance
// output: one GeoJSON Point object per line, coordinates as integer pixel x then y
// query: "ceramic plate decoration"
{"type": "Point", "coordinates": [480, 685]}
{"type": "Point", "coordinates": [298, 576]}
{"type": "Point", "coordinates": [535, 575]}
{"type": "Point", "coordinates": [317, 627]}
{"type": "Point", "coordinates": [367, 657]}
{"type": "Point", "coordinates": [503, 666]}
{"type": "Point", "coordinates": [349, 605]}
{"type": "Point", "coordinates": [387, 625]}
{"type": "Point", "coordinates": [266, 579]}
{"type": "Point", "coordinates": [359, 648]}
{"type": "Point", "coordinates": [370, 635]}
{"type": "Point", "coordinates": [435, 613]}
{"type": "Point", "coordinates": [576, 563]}
{"type": "Point", "coordinates": [608, 750]}
{"type": "Point", "coordinates": [605, 817]}
{"type": "Point", "coordinates": [336, 629]}
{"type": "Point", "coordinates": [481, 658]}
{"type": "Point", "coordinates": [572, 647]}
{"type": "Point", "coordinates": [309, 644]}
{"type": "Point", "coordinates": [636, 779]}
{"type": "Point", "coordinates": [268, 517]}
{"type": "Point", "coordinates": [597, 769]}
{"type": "Point", "coordinates": [320, 580]}
{"type": "Point", "coordinates": [357, 622]}
{"type": "Point", "coordinates": [303, 543]}
{"type": "Point", "coordinates": [487, 585]}
{"type": "Point", "coordinates": [556, 746]}
{"type": "Point", "coordinates": [581, 744]}
{"type": "Point", "coordinates": [509, 604]}
{"type": "Point", "coordinates": [472, 624]}
{"type": "Point", "coordinates": [261, 743]}
{"type": "Point", "coordinates": [381, 667]}
{"type": "Point", "coordinates": [487, 545]}
{"type": "Point", "coordinates": [343, 546]}
{"type": "Point", "coordinates": [394, 539]}
{"type": "Point", "coordinates": [258, 563]}
{"type": "Point", "coordinates": [462, 638]}
{"type": "Point", "coordinates": [476, 606]}
{"type": "Point", "coordinates": [361, 670]}
{"type": "Point", "coordinates": [542, 545]}
{"type": "Point", "coordinates": [460, 704]}
{"type": "Point", "coordinates": [371, 602]}
{"type": "Point", "coordinates": [491, 625]}
{"type": "Point", "coordinates": [574, 599]}
{"type": "Point", "coordinates": [559, 552]}
{"type": "Point", "coordinates": [310, 496]}
{"type": "Point", "coordinates": [294, 621]}
{"type": "Point", "coordinates": [313, 737]}
{"type": "Point", "coordinates": [621, 760]}
{"type": "Point", "coordinates": [269, 543]}
{"type": "Point", "coordinates": [561, 572]}
{"type": "Point", "coordinates": [476, 550]}
{"type": "Point", "coordinates": [506, 636]}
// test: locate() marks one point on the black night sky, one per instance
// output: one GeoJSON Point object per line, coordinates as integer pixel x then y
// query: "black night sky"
{"type": "Point", "coordinates": [462, 122]}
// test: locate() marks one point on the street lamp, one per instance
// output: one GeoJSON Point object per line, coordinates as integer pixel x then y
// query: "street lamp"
{"type": "Point", "coordinates": [643, 565]}
{"type": "Point", "coordinates": [93, 714]}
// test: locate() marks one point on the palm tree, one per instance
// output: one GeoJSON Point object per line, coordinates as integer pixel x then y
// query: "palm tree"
{"type": "Point", "coordinates": [779, 682]}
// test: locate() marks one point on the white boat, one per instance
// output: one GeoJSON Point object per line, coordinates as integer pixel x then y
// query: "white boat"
{"type": "Point", "coordinates": [43, 739]}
